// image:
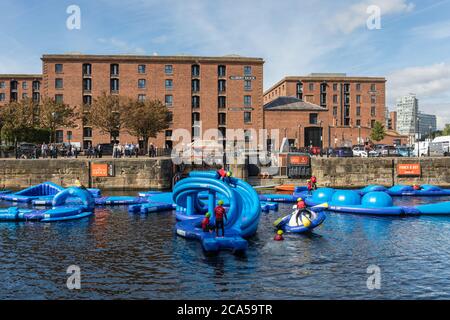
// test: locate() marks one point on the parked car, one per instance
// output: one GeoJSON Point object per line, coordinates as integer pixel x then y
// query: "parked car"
{"type": "Point", "coordinates": [359, 151]}
{"type": "Point", "coordinates": [26, 150]}
{"type": "Point", "coordinates": [405, 151]}
{"type": "Point", "coordinates": [342, 152]}
{"type": "Point", "coordinates": [387, 151]}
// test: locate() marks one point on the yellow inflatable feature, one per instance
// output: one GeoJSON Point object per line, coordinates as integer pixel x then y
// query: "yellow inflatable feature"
{"type": "Point", "coordinates": [306, 222]}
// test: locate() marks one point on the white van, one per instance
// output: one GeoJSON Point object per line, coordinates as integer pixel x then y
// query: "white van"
{"type": "Point", "coordinates": [440, 146]}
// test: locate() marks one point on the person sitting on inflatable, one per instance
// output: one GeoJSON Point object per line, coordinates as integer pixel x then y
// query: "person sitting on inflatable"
{"type": "Point", "coordinates": [309, 186]}
{"type": "Point", "coordinates": [206, 226]}
{"type": "Point", "coordinates": [416, 187]}
{"type": "Point", "coordinates": [314, 182]}
{"type": "Point", "coordinates": [302, 212]}
{"type": "Point", "coordinates": [279, 236]}
{"type": "Point", "coordinates": [220, 214]}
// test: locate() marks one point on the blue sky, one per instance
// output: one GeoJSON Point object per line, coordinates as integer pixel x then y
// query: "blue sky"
{"type": "Point", "coordinates": [295, 37]}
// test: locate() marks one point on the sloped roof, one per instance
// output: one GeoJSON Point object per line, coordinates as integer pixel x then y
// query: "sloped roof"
{"type": "Point", "coordinates": [292, 104]}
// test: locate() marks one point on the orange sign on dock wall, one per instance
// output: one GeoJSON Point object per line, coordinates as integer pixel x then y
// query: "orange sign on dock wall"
{"type": "Point", "coordinates": [99, 170]}
{"type": "Point", "coordinates": [409, 169]}
{"type": "Point", "coordinates": [299, 160]}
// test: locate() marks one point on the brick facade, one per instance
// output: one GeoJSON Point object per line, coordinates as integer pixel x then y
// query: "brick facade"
{"type": "Point", "coordinates": [19, 86]}
{"type": "Point", "coordinates": [158, 70]}
{"type": "Point", "coordinates": [345, 109]}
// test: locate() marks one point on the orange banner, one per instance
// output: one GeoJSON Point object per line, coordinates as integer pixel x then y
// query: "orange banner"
{"type": "Point", "coordinates": [409, 169]}
{"type": "Point", "coordinates": [99, 170]}
{"type": "Point", "coordinates": [299, 160]}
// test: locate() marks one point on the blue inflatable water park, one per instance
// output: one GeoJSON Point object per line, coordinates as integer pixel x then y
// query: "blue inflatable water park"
{"type": "Point", "coordinates": [61, 210]}
{"type": "Point", "coordinates": [199, 193]}
{"type": "Point", "coordinates": [371, 203]}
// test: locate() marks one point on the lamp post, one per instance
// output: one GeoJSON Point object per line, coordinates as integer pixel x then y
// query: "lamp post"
{"type": "Point", "coordinates": [418, 136]}
{"type": "Point", "coordinates": [359, 135]}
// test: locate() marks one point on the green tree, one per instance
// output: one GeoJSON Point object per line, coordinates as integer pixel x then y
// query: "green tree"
{"type": "Point", "coordinates": [446, 130]}
{"type": "Point", "coordinates": [107, 113]}
{"type": "Point", "coordinates": [18, 119]}
{"type": "Point", "coordinates": [146, 119]}
{"type": "Point", "coordinates": [378, 132]}
{"type": "Point", "coordinates": [54, 115]}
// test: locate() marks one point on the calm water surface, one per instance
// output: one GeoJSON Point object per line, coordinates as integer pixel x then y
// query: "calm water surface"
{"type": "Point", "coordinates": [125, 256]}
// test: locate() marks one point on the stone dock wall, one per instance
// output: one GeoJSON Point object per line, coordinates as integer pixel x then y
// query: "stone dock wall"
{"type": "Point", "coordinates": [139, 174]}
{"type": "Point", "coordinates": [145, 173]}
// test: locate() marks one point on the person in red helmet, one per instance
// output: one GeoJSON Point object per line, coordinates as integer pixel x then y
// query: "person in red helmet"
{"type": "Point", "coordinates": [416, 187]}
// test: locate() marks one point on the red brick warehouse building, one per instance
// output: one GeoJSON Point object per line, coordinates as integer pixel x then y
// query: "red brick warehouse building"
{"type": "Point", "coordinates": [216, 92]}
{"type": "Point", "coordinates": [16, 87]}
{"type": "Point", "coordinates": [326, 110]}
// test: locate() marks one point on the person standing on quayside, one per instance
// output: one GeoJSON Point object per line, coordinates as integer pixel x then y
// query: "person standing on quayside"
{"type": "Point", "coordinates": [220, 214]}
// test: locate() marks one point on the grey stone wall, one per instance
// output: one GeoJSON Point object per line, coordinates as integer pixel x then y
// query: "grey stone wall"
{"type": "Point", "coordinates": [139, 174]}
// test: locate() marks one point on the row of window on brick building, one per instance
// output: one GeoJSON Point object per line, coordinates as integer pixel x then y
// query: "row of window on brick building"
{"type": "Point", "coordinates": [14, 85]}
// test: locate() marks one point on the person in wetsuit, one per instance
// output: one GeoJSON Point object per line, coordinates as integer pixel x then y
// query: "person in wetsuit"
{"type": "Point", "coordinates": [220, 215]}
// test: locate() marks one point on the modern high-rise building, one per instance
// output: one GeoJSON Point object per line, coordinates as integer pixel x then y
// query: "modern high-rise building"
{"type": "Point", "coordinates": [407, 113]}
{"type": "Point", "coordinates": [427, 124]}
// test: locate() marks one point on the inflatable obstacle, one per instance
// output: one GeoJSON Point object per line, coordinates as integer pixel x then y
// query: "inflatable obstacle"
{"type": "Point", "coordinates": [61, 211]}
{"type": "Point", "coordinates": [44, 191]}
{"type": "Point", "coordinates": [283, 198]}
{"type": "Point", "coordinates": [100, 201]}
{"type": "Point", "coordinates": [197, 194]}
{"type": "Point", "coordinates": [295, 223]}
{"type": "Point", "coordinates": [371, 203]}
{"type": "Point", "coordinates": [426, 190]}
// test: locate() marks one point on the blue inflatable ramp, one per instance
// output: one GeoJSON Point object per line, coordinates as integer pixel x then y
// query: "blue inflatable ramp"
{"type": "Point", "coordinates": [61, 211]}
{"type": "Point", "coordinates": [150, 207]}
{"type": "Point", "coordinates": [197, 194]}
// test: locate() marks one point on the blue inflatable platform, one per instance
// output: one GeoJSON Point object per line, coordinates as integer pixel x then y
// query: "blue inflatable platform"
{"type": "Point", "coordinates": [426, 190]}
{"type": "Point", "coordinates": [44, 191]}
{"type": "Point", "coordinates": [293, 224]}
{"type": "Point", "coordinates": [61, 211]}
{"type": "Point", "coordinates": [243, 212]}
{"type": "Point", "coordinates": [283, 198]}
{"type": "Point", "coordinates": [371, 203]}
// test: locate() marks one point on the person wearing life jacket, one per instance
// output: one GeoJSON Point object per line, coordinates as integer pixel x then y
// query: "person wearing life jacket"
{"type": "Point", "coordinates": [416, 187]}
{"type": "Point", "coordinates": [206, 226]}
{"type": "Point", "coordinates": [78, 183]}
{"type": "Point", "coordinates": [222, 173]}
{"type": "Point", "coordinates": [279, 236]}
{"type": "Point", "coordinates": [302, 212]}
{"type": "Point", "coordinates": [314, 182]}
{"type": "Point", "coordinates": [309, 185]}
{"type": "Point", "coordinates": [220, 214]}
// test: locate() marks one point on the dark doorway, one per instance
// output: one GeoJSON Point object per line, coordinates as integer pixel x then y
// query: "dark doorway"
{"type": "Point", "coordinates": [313, 136]}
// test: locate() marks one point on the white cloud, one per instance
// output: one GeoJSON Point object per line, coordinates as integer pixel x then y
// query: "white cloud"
{"type": "Point", "coordinates": [349, 18]}
{"type": "Point", "coordinates": [430, 83]}
{"type": "Point", "coordinates": [436, 31]}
